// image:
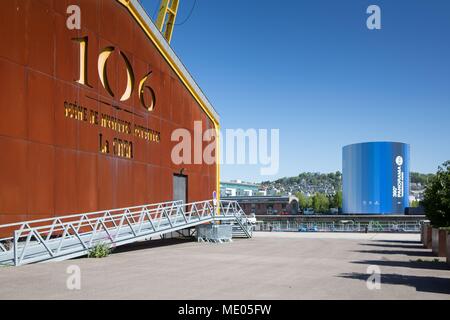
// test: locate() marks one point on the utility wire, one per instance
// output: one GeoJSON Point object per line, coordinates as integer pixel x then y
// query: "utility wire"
{"type": "Point", "coordinates": [189, 15]}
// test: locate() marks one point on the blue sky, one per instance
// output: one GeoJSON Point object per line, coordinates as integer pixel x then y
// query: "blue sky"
{"type": "Point", "coordinates": [312, 69]}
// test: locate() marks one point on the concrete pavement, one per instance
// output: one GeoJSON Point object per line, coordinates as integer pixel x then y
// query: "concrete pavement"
{"type": "Point", "coordinates": [269, 266]}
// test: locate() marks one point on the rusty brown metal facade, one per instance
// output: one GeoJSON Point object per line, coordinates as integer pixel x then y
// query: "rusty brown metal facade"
{"type": "Point", "coordinates": [70, 146]}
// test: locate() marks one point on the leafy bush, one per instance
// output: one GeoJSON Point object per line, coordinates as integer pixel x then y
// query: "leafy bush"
{"type": "Point", "coordinates": [100, 250]}
{"type": "Point", "coordinates": [437, 197]}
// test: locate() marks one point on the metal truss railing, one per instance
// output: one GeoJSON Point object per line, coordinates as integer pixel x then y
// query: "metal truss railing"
{"type": "Point", "coordinates": [233, 207]}
{"type": "Point", "coordinates": [371, 226]}
{"type": "Point", "coordinates": [71, 236]}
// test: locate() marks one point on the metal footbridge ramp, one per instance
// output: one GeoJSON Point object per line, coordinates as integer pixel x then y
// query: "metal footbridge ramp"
{"type": "Point", "coordinates": [66, 237]}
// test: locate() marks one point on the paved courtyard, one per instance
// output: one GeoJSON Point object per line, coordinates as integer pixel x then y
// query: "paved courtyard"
{"type": "Point", "coordinates": [269, 266]}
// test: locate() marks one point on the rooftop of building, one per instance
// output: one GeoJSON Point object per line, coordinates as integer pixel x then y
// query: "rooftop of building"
{"type": "Point", "coordinates": [239, 183]}
{"type": "Point", "coordinates": [260, 198]}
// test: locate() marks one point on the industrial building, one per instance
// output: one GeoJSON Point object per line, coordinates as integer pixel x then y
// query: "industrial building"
{"type": "Point", "coordinates": [238, 188]}
{"type": "Point", "coordinates": [267, 205]}
{"type": "Point", "coordinates": [375, 177]}
{"type": "Point", "coordinates": [91, 116]}
{"type": "Point", "coordinates": [88, 113]}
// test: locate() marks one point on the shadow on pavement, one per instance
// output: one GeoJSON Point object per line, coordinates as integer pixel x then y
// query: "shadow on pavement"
{"type": "Point", "coordinates": [399, 241]}
{"type": "Point", "coordinates": [145, 245]}
{"type": "Point", "coordinates": [403, 252]}
{"type": "Point", "coordinates": [402, 246]}
{"type": "Point", "coordinates": [421, 283]}
{"type": "Point", "coordinates": [407, 264]}
{"type": "Point", "coordinates": [150, 244]}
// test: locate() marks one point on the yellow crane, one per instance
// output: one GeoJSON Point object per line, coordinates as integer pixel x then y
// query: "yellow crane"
{"type": "Point", "coordinates": [165, 22]}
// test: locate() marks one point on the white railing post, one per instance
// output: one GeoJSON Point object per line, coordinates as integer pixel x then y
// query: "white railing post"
{"type": "Point", "coordinates": [16, 242]}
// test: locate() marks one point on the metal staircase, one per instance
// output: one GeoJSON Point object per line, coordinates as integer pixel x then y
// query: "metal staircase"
{"type": "Point", "coordinates": [242, 228]}
{"type": "Point", "coordinates": [66, 237]}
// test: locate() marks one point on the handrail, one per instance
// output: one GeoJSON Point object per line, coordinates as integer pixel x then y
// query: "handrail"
{"type": "Point", "coordinates": [82, 214]}
{"type": "Point", "coordinates": [74, 235]}
{"type": "Point", "coordinates": [29, 223]}
{"type": "Point", "coordinates": [240, 215]}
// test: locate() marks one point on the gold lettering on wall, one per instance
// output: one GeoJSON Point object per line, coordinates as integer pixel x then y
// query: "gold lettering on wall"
{"type": "Point", "coordinates": [151, 104]}
{"type": "Point", "coordinates": [93, 118]}
{"type": "Point", "coordinates": [115, 124]}
{"type": "Point", "coordinates": [146, 134]}
{"type": "Point", "coordinates": [119, 147]}
{"type": "Point", "coordinates": [102, 67]}
{"type": "Point", "coordinates": [130, 79]}
{"type": "Point", "coordinates": [104, 146]}
{"type": "Point", "coordinates": [103, 74]}
{"type": "Point", "coordinates": [83, 75]}
{"type": "Point", "coordinates": [123, 148]}
{"type": "Point", "coordinates": [72, 110]}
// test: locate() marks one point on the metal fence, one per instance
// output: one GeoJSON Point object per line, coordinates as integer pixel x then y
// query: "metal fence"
{"type": "Point", "coordinates": [214, 232]}
{"type": "Point", "coordinates": [371, 226]}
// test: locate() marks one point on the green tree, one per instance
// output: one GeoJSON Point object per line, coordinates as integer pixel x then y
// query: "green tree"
{"type": "Point", "coordinates": [423, 179]}
{"type": "Point", "coordinates": [320, 203]}
{"type": "Point", "coordinates": [414, 204]}
{"type": "Point", "coordinates": [336, 200]}
{"type": "Point", "coordinates": [437, 197]}
{"type": "Point", "coordinates": [309, 203]}
{"type": "Point", "coordinates": [303, 201]}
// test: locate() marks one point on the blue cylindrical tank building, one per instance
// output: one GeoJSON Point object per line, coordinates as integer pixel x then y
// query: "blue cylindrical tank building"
{"type": "Point", "coordinates": [375, 178]}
